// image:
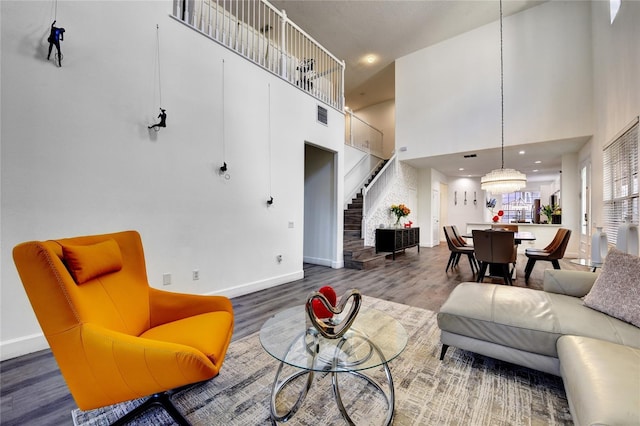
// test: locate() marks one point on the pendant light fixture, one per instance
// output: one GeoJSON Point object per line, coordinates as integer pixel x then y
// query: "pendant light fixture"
{"type": "Point", "coordinates": [500, 181]}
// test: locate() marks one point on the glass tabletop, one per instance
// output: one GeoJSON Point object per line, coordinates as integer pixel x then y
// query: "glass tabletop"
{"type": "Point", "coordinates": [373, 339]}
{"type": "Point", "coordinates": [587, 262]}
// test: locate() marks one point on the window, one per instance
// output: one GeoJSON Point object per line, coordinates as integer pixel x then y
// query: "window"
{"type": "Point", "coordinates": [620, 186]}
{"type": "Point", "coordinates": [518, 206]}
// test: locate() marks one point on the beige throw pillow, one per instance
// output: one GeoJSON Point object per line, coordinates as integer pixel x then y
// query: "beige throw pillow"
{"type": "Point", "coordinates": [616, 291]}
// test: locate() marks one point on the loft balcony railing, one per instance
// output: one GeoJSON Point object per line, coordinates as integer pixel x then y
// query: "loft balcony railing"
{"type": "Point", "coordinates": [265, 36]}
{"type": "Point", "coordinates": [363, 136]}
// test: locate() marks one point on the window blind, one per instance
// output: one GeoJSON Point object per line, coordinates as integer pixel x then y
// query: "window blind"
{"type": "Point", "coordinates": [620, 186]}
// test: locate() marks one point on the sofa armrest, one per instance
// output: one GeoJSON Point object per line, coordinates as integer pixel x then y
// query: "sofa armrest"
{"type": "Point", "coordinates": [571, 283]}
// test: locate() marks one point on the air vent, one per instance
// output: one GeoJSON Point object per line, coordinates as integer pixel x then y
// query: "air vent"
{"type": "Point", "coordinates": [470, 156]}
{"type": "Point", "coordinates": [323, 116]}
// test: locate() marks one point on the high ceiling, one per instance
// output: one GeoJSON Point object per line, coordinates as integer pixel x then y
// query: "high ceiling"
{"type": "Point", "coordinates": [354, 30]}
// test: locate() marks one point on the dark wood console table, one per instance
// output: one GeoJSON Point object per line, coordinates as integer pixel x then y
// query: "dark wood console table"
{"type": "Point", "coordinates": [396, 239]}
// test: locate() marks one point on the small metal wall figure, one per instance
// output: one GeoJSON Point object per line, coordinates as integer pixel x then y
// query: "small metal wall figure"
{"type": "Point", "coordinates": [163, 120]}
{"type": "Point", "coordinates": [55, 37]}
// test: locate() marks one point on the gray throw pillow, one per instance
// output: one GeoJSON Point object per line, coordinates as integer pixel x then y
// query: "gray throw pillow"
{"type": "Point", "coordinates": [616, 291]}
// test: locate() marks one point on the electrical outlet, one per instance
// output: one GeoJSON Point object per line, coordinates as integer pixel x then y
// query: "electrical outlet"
{"type": "Point", "coordinates": [290, 224]}
{"type": "Point", "coordinates": [166, 279]}
{"type": "Point", "coordinates": [196, 275]}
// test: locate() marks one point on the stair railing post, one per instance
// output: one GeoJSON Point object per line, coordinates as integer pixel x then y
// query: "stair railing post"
{"type": "Point", "coordinates": [350, 127]}
{"type": "Point", "coordinates": [283, 45]}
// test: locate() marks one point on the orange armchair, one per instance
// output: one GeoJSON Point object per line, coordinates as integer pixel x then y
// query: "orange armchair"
{"type": "Point", "coordinates": [114, 337]}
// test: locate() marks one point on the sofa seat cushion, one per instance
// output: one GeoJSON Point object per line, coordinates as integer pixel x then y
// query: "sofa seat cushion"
{"type": "Point", "coordinates": [525, 319]}
{"type": "Point", "coordinates": [602, 381]}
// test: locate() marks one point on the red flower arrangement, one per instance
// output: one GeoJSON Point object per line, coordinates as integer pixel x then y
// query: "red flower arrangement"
{"type": "Point", "coordinates": [497, 217]}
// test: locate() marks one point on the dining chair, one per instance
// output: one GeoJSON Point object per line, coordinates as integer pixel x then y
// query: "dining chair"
{"type": "Point", "coordinates": [458, 236]}
{"type": "Point", "coordinates": [552, 256]}
{"type": "Point", "coordinates": [496, 250]}
{"type": "Point", "coordinates": [555, 242]}
{"type": "Point", "coordinates": [458, 250]}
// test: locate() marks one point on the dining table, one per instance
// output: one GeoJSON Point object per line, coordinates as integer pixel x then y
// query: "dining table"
{"type": "Point", "coordinates": [518, 237]}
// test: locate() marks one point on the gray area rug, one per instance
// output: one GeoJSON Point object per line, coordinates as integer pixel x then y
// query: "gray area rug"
{"type": "Point", "coordinates": [464, 389]}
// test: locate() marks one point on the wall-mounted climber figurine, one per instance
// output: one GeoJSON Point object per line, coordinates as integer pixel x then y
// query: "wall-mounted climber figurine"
{"type": "Point", "coordinates": [163, 112]}
{"type": "Point", "coordinates": [55, 37]}
{"type": "Point", "coordinates": [163, 120]}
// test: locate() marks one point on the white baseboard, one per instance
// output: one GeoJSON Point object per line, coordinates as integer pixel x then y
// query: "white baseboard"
{"type": "Point", "coordinates": [318, 261]}
{"type": "Point", "coordinates": [337, 265]}
{"type": "Point", "coordinates": [241, 290]}
{"type": "Point", "coordinates": [22, 346]}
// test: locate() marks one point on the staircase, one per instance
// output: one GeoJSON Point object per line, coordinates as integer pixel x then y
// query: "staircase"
{"type": "Point", "coordinates": [356, 254]}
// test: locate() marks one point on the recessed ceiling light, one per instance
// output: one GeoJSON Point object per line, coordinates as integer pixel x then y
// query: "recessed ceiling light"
{"type": "Point", "coordinates": [521, 152]}
{"type": "Point", "coordinates": [370, 59]}
{"type": "Point", "coordinates": [537, 162]}
{"type": "Point", "coordinates": [461, 169]}
{"type": "Point", "coordinates": [535, 170]}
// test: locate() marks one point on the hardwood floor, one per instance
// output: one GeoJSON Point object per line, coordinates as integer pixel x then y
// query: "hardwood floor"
{"type": "Point", "coordinates": [34, 393]}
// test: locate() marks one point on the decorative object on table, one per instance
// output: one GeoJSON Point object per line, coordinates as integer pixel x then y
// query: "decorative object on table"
{"type": "Point", "coordinates": [56, 35]}
{"type": "Point", "coordinates": [599, 246]}
{"type": "Point", "coordinates": [400, 211]}
{"type": "Point", "coordinates": [496, 218]}
{"type": "Point", "coordinates": [500, 181]}
{"type": "Point", "coordinates": [627, 237]}
{"type": "Point", "coordinates": [408, 224]}
{"type": "Point", "coordinates": [318, 307]}
{"type": "Point", "coordinates": [335, 325]}
{"type": "Point", "coordinates": [550, 210]}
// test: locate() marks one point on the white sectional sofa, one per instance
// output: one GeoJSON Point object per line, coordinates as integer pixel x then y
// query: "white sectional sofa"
{"type": "Point", "coordinates": [596, 354]}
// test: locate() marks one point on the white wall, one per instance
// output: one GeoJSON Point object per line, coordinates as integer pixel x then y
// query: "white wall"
{"type": "Point", "coordinates": [383, 117]}
{"type": "Point", "coordinates": [77, 157]}
{"type": "Point", "coordinates": [403, 190]}
{"type": "Point", "coordinates": [460, 214]}
{"type": "Point", "coordinates": [448, 95]}
{"type": "Point", "coordinates": [616, 86]}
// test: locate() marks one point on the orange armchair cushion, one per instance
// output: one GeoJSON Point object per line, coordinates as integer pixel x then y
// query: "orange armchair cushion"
{"type": "Point", "coordinates": [188, 332]}
{"type": "Point", "coordinates": [91, 261]}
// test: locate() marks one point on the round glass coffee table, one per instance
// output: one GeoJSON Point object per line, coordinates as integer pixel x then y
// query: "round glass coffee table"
{"type": "Point", "coordinates": [373, 340]}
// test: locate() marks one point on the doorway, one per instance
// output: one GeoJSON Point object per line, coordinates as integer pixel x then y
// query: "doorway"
{"type": "Point", "coordinates": [320, 207]}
